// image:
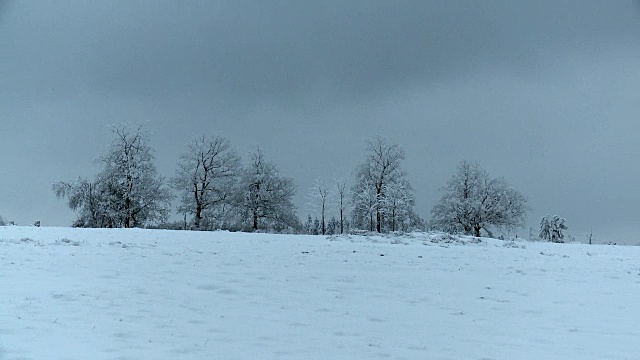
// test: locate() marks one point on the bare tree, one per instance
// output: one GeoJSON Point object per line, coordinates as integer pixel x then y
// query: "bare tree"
{"type": "Point", "coordinates": [319, 197]}
{"type": "Point", "coordinates": [205, 177]}
{"type": "Point", "coordinates": [473, 201]}
{"type": "Point", "coordinates": [341, 192]}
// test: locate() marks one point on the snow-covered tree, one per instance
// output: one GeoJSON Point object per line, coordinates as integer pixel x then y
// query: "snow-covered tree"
{"type": "Point", "coordinates": [308, 226]}
{"type": "Point", "coordinates": [88, 199]}
{"type": "Point", "coordinates": [551, 228]}
{"type": "Point", "coordinates": [264, 197]}
{"type": "Point", "coordinates": [205, 179]}
{"type": "Point", "coordinates": [375, 176]}
{"type": "Point", "coordinates": [319, 198]}
{"type": "Point", "coordinates": [397, 205]}
{"type": "Point", "coordinates": [365, 204]}
{"type": "Point", "coordinates": [127, 192]}
{"type": "Point", "coordinates": [473, 201]}
{"type": "Point", "coordinates": [138, 195]}
{"type": "Point", "coordinates": [332, 226]}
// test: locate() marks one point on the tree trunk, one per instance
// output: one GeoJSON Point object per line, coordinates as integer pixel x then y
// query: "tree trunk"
{"type": "Point", "coordinates": [393, 220]}
{"type": "Point", "coordinates": [476, 231]}
{"type": "Point", "coordinates": [255, 220]}
{"type": "Point", "coordinates": [196, 220]}
{"type": "Point", "coordinates": [127, 217]}
{"type": "Point", "coordinates": [323, 227]}
{"type": "Point", "coordinates": [198, 217]}
{"type": "Point", "coordinates": [378, 220]}
{"type": "Point", "coordinates": [341, 222]}
{"type": "Point", "coordinates": [256, 205]}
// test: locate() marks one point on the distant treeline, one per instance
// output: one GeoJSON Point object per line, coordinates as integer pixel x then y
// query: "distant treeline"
{"type": "Point", "coordinates": [216, 190]}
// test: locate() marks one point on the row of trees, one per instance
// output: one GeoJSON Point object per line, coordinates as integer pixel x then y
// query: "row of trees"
{"type": "Point", "coordinates": [216, 191]}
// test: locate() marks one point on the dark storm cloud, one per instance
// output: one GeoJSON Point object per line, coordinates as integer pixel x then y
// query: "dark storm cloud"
{"type": "Point", "coordinates": [293, 50]}
{"type": "Point", "coordinates": [284, 49]}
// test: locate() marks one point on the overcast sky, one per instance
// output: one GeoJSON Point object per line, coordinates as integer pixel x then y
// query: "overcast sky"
{"type": "Point", "coordinates": [544, 93]}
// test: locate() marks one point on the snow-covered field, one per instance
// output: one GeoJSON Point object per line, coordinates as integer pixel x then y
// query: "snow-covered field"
{"type": "Point", "coordinates": [141, 294]}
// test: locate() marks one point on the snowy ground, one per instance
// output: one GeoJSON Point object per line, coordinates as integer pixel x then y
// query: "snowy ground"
{"type": "Point", "coordinates": [141, 294]}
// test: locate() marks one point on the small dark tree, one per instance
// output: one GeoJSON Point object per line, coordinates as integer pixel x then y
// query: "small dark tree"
{"type": "Point", "coordinates": [332, 226]}
{"type": "Point", "coordinates": [308, 226]}
{"type": "Point", "coordinates": [551, 228]}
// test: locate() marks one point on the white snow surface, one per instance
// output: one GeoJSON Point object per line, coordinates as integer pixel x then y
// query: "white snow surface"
{"type": "Point", "coordinates": [148, 294]}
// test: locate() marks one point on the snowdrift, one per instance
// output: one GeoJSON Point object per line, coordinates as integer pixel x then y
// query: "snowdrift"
{"type": "Point", "coordinates": [148, 294]}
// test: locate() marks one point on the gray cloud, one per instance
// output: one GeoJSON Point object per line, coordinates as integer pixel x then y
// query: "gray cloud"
{"type": "Point", "coordinates": [541, 92]}
{"type": "Point", "coordinates": [286, 49]}
{"type": "Point", "coordinates": [289, 51]}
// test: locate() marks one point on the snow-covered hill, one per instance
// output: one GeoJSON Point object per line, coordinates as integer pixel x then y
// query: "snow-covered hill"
{"type": "Point", "coordinates": [142, 294]}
